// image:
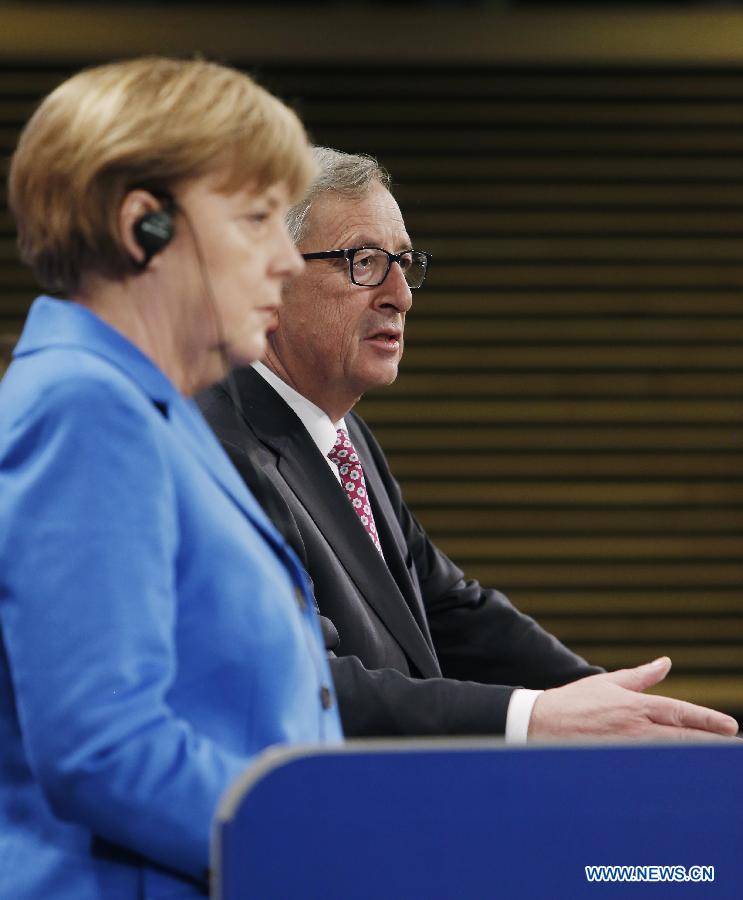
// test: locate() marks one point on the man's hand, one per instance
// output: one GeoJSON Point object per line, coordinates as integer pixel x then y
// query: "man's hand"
{"type": "Point", "coordinates": [612, 705]}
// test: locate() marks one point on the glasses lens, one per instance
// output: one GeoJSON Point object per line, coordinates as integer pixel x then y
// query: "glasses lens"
{"type": "Point", "coordinates": [370, 266]}
{"type": "Point", "coordinates": [414, 264]}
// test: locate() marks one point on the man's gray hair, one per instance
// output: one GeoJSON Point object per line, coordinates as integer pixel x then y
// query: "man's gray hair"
{"type": "Point", "coordinates": [349, 174]}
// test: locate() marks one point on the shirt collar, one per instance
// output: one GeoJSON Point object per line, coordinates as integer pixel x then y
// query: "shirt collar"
{"type": "Point", "coordinates": [321, 429]}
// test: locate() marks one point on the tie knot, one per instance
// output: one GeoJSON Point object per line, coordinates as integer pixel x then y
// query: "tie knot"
{"type": "Point", "coordinates": [343, 451]}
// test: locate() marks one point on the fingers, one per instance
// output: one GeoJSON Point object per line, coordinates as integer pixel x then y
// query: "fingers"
{"type": "Point", "coordinates": [613, 705]}
{"type": "Point", "coordinates": [669, 733]}
{"type": "Point", "coordinates": [641, 677]}
{"type": "Point", "coordinates": [682, 715]}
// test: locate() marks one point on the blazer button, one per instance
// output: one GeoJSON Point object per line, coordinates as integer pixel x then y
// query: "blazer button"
{"type": "Point", "coordinates": [326, 698]}
{"type": "Point", "coordinates": [301, 602]}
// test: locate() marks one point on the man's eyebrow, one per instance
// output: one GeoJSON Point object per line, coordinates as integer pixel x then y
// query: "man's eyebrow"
{"type": "Point", "coordinates": [363, 241]}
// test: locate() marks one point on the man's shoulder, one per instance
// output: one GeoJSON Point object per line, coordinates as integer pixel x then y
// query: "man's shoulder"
{"type": "Point", "coordinates": [222, 403]}
{"type": "Point", "coordinates": [214, 402]}
{"type": "Point", "coordinates": [250, 419]}
{"type": "Point", "coordinates": [231, 424]}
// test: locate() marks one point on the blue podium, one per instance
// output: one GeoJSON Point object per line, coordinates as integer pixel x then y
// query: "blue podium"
{"type": "Point", "coordinates": [479, 819]}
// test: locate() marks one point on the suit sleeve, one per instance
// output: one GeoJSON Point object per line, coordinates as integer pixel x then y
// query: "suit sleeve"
{"type": "Point", "coordinates": [89, 615]}
{"type": "Point", "coordinates": [385, 702]}
{"type": "Point", "coordinates": [477, 632]}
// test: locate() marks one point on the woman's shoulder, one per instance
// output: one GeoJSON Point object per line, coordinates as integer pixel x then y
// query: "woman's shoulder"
{"type": "Point", "coordinates": [62, 380]}
{"type": "Point", "coordinates": [74, 406]}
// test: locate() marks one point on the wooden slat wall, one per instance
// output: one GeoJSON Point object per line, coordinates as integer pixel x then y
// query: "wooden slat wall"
{"type": "Point", "coordinates": [567, 423]}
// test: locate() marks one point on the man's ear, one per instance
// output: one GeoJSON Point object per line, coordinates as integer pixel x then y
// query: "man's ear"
{"type": "Point", "coordinates": [145, 226]}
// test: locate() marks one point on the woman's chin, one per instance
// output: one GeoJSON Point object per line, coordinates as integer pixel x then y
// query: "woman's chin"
{"type": "Point", "coordinates": [248, 350]}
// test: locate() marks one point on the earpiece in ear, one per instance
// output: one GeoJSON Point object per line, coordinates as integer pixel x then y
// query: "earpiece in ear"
{"type": "Point", "coordinates": [153, 232]}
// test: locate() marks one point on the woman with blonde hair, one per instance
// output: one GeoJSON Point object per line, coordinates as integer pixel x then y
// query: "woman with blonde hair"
{"type": "Point", "coordinates": [156, 631]}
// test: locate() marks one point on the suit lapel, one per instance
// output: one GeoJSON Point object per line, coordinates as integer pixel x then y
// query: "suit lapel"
{"type": "Point", "coordinates": [390, 534]}
{"type": "Point", "coordinates": [308, 475]}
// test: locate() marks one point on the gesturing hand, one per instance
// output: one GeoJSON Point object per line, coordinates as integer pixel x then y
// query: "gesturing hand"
{"type": "Point", "coordinates": [612, 704]}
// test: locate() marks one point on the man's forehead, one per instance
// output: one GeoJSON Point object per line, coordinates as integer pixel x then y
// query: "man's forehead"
{"type": "Point", "coordinates": [346, 221]}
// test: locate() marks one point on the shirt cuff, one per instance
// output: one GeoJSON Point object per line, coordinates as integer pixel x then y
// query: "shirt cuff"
{"type": "Point", "coordinates": [519, 715]}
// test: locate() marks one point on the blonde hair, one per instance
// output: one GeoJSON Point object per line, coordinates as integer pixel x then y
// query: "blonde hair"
{"type": "Point", "coordinates": [150, 122]}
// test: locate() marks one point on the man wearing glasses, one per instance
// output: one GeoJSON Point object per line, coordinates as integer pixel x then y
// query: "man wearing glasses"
{"type": "Point", "coordinates": [416, 649]}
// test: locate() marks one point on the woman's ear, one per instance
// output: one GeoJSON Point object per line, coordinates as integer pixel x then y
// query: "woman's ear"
{"type": "Point", "coordinates": [145, 226]}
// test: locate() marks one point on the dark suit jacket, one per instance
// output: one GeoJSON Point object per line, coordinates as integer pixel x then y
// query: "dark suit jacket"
{"type": "Point", "coordinates": [416, 649]}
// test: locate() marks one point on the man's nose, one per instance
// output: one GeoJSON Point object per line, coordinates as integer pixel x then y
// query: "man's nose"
{"type": "Point", "coordinates": [395, 289]}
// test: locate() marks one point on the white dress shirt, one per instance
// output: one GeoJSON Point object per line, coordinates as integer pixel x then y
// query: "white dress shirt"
{"type": "Point", "coordinates": [323, 433]}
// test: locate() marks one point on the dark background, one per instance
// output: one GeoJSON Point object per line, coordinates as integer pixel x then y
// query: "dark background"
{"type": "Point", "coordinates": [568, 418]}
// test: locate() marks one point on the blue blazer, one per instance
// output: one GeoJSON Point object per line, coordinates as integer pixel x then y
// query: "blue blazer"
{"type": "Point", "coordinates": [157, 632]}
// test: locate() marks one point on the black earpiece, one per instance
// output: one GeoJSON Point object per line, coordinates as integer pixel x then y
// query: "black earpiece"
{"type": "Point", "coordinates": [153, 232]}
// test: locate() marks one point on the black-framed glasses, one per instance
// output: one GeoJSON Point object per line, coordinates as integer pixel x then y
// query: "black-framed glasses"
{"type": "Point", "coordinates": [369, 266]}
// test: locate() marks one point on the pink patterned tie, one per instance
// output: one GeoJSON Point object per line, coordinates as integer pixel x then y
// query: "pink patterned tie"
{"type": "Point", "coordinates": [345, 457]}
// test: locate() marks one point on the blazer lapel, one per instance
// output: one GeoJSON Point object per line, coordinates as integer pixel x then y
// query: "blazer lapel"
{"type": "Point", "coordinates": [308, 475]}
{"type": "Point", "coordinates": [201, 442]}
{"type": "Point", "coordinates": [54, 322]}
